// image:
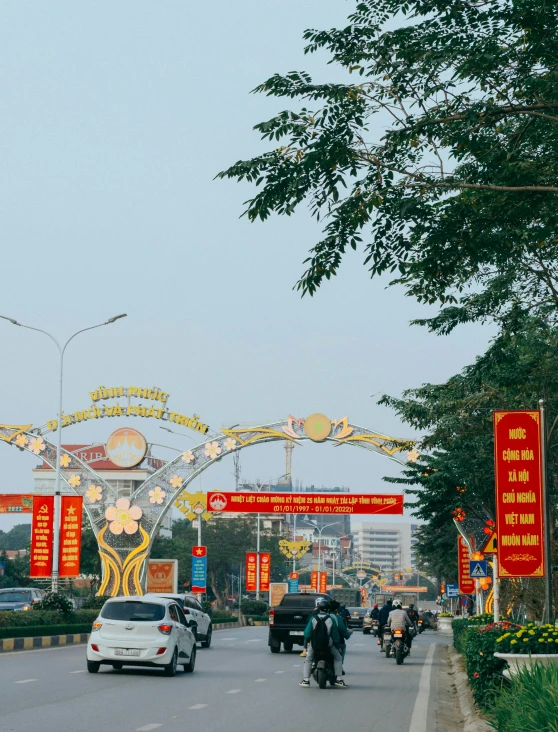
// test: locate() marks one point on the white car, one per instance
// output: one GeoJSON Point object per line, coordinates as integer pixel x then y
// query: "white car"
{"type": "Point", "coordinates": [141, 631]}
{"type": "Point", "coordinates": [200, 621]}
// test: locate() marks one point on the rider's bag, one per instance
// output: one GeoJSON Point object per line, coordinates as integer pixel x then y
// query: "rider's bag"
{"type": "Point", "coordinates": [320, 635]}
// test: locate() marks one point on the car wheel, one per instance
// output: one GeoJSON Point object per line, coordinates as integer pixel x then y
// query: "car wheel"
{"type": "Point", "coordinates": [288, 646]}
{"type": "Point", "coordinates": [117, 666]}
{"type": "Point", "coordinates": [191, 665]}
{"type": "Point", "coordinates": [207, 642]}
{"type": "Point", "coordinates": [275, 649]}
{"type": "Point", "coordinates": [93, 666]}
{"type": "Point", "coordinates": [170, 668]}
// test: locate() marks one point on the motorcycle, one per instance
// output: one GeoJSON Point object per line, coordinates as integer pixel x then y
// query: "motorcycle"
{"type": "Point", "coordinates": [385, 641]}
{"type": "Point", "coordinates": [375, 625]}
{"type": "Point", "coordinates": [421, 626]}
{"type": "Point", "coordinates": [322, 669]}
{"type": "Point", "coordinates": [399, 648]}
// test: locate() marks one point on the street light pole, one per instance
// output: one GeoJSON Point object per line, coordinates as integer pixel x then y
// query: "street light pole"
{"type": "Point", "coordinates": [61, 351]}
{"type": "Point", "coordinates": [315, 525]}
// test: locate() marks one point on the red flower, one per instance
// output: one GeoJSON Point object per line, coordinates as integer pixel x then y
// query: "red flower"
{"type": "Point", "coordinates": [476, 674]}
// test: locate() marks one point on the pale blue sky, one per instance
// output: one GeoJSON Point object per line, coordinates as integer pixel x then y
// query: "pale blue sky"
{"type": "Point", "coordinates": [115, 118]}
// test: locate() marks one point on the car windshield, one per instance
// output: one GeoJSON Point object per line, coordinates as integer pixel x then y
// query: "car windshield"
{"type": "Point", "coordinates": [140, 611]}
{"type": "Point", "coordinates": [15, 596]}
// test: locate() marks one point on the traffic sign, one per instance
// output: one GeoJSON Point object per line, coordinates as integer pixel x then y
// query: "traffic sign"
{"type": "Point", "coordinates": [491, 545]}
{"type": "Point", "coordinates": [466, 602]}
{"type": "Point", "coordinates": [293, 584]}
{"type": "Point", "coordinates": [478, 569]}
{"type": "Point", "coordinates": [452, 590]}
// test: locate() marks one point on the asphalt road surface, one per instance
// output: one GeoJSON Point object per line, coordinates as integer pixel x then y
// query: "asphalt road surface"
{"type": "Point", "coordinates": [238, 685]}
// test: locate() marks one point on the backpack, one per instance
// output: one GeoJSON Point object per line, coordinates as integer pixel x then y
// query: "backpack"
{"type": "Point", "coordinates": [319, 638]}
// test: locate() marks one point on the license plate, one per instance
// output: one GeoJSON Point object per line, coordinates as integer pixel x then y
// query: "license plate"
{"type": "Point", "coordinates": [355, 613]}
{"type": "Point", "coordinates": [296, 632]}
{"type": "Point", "coordinates": [126, 651]}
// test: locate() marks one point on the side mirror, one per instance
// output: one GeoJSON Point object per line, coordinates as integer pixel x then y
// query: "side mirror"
{"type": "Point", "coordinates": [186, 611]}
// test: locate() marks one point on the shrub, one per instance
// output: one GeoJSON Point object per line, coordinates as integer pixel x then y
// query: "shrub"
{"type": "Point", "coordinates": [529, 638]}
{"type": "Point", "coordinates": [530, 702]}
{"type": "Point", "coordinates": [484, 671]}
{"type": "Point", "coordinates": [94, 603]}
{"type": "Point", "coordinates": [32, 631]}
{"type": "Point", "coordinates": [44, 617]}
{"type": "Point", "coordinates": [228, 619]}
{"type": "Point", "coordinates": [56, 602]}
{"type": "Point", "coordinates": [254, 607]}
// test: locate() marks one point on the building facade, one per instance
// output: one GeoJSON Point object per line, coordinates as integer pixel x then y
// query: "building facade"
{"type": "Point", "coordinates": [390, 546]}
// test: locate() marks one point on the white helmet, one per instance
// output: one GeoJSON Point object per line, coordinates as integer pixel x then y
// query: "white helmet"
{"type": "Point", "coordinates": [397, 605]}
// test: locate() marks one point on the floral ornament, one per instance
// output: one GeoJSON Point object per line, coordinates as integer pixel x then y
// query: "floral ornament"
{"type": "Point", "coordinates": [21, 440]}
{"type": "Point", "coordinates": [122, 517]}
{"type": "Point", "coordinates": [36, 445]}
{"type": "Point", "coordinates": [461, 489]}
{"type": "Point", "coordinates": [157, 495]}
{"type": "Point", "coordinates": [459, 514]}
{"type": "Point", "coordinates": [65, 460]}
{"type": "Point", "coordinates": [212, 450]}
{"type": "Point", "coordinates": [176, 481]}
{"type": "Point", "coordinates": [413, 455]}
{"type": "Point", "coordinates": [188, 456]}
{"type": "Point", "coordinates": [490, 527]}
{"type": "Point", "coordinates": [94, 493]}
{"type": "Point", "coordinates": [230, 444]}
{"type": "Point", "coordinates": [74, 481]}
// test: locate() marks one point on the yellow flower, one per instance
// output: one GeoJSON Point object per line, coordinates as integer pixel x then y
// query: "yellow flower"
{"type": "Point", "coordinates": [526, 640]}
{"type": "Point", "coordinates": [74, 481]}
{"type": "Point", "coordinates": [176, 481]}
{"type": "Point", "coordinates": [65, 460]}
{"type": "Point", "coordinates": [157, 495]}
{"type": "Point", "coordinates": [36, 445]}
{"type": "Point", "coordinates": [122, 517]}
{"type": "Point", "coordinates": [21, 440]}
{"type": "Point", "coordinates": [531, 632]}
{"type": "Point", "coordinates": [94, 493]}
{"type": "Point", "coordinates": [541, 640]}
{"type": "Point", "coordinates": [500, 639]}
{"type": "Point", "coordinates": [513, 641]}
{"type": "Point", "coordinates": [556, 641]}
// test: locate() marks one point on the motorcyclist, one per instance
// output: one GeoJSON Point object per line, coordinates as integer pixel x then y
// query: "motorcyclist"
{"type": "Point", "coordinates": [399, 620]}
{"type": "Point", "coordinates": [344, 632]}
{"type": "Point", "coordinates": [322, 613]}
{"type": "Point", "coordinates": [383, 616]}
{"type": "Point", "coordinates": [375, 614]}
{"type": "Point", "coordinates": [413, 615]}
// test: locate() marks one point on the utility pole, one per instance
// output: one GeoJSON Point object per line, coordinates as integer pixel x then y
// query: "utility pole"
{"type": "Point", "coordinates": [549, 609]}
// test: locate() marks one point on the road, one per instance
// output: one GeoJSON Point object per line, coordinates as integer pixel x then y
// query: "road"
{"type": "Point", "coordinates": [237, 685]}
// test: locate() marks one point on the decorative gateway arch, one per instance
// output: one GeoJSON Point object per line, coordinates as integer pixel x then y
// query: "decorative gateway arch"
{"type": "Point", "coordinates": [125, 528]}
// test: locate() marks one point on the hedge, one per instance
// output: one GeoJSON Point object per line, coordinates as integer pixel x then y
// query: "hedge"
{"type": "Point", "coordinates": [32, 631]}
{"type": "Point", "coordinates": [220, 621]}
{"type": "Point", "coordinates": [22, 619]}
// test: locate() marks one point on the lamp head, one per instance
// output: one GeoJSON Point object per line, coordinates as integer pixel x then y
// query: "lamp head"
{"type": "Point", "coordinates": [12, 321]}
{"type": "Point", "coordinates": [116, 317]}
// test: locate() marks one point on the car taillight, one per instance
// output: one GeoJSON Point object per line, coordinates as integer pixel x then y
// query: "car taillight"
{"type": "Point", "coordinates": [165, 629]}
{"type": "Point", "coordinates": [272, 617]}
{"type": "Point", "coordinates": [96, 626]}
{"type": "Point", "coordinates": [94, 647]}
{"type": "Point", "coordinates": [161, 651]}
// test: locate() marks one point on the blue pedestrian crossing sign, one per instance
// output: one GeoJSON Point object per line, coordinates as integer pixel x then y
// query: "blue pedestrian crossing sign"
{"type": "Point", "coordinates": [478, 569]}
{"type": "Point", "coordinates": [452, 590]}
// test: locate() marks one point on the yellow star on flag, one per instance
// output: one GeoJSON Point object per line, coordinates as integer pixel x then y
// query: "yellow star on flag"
{"type": "Point", "coordinates": [199, 552]}
{"type": "Point", "coordinates": [71, 510]}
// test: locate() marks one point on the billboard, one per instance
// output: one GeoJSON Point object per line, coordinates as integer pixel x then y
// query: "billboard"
{"type": "Point", "coordinates": [162, 575]}
{"type": "Point", "coordinates": [199, 569]}
{"type": "Point", "coordinates": [305, 503]}
{"type": "Point", "coordinates": [40, 563]}
{"type": "Point", "coordinates": [70, 535]}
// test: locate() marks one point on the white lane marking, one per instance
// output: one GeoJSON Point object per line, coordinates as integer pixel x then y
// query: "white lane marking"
{"type": "Point", "coordinates": [197, 706]}
{"type": "Point", "coordinates": [24, 681]}
{"type": "Point", "coordinates": [279, 672]}
{"type": "Point", "coordinates": [297, 665]}
{"type": "Point", "coordinates": [233, 638]}
{"type": "Point", "coordinates": [83, 671]}
{"type": "Point", "coordinates": [233, 691]}
{"type": "Point", "coordinates": [254, 640]}
{"type": "Point", "coordinates": [148, 727]}
{"type": "Point", "coordinates": [256, 680]}
{"type": "Point", "coordinates": [419, 720]}
{"type": "Point", "coordinates": [357, 644]}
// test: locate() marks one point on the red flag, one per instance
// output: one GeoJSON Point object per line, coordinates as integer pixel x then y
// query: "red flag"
{"type": "Point", "coordinates": [314, 582]}
{"type": "Point", "coordinates": [70, 536]}
{"type": "Point", "coordinates": [40, 564]}
{"type": "Point", "coordinates": [251, 569]}
{"type": "Point", "coordinates": [264, 571]}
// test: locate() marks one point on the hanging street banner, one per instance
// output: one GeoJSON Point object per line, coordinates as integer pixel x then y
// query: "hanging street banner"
{"type": "Point", "coordinates": [251, 578]}
{"type": "Point", "coordinates": [519, 493]}
{"type": "Point", "coordinates": [199, 569]}
{"type": "Point", "coordinates": [323, 582]}
{"type": "Point", "coordinates": [16, 503]}
{"type": "Point", "coordinates": [70, 536]}
{"type": "Point", "coordinates": [466, 583]}
{"type": "Point", "coordinates": [305, 503]}
{"type": "Point", "coordinates": [162, 575]}
{"type": "Point", "coordinates": [314, 581]}
{"type": "Point", "coordinates": [265, 567]}
{"type": "Point", "coordinates": [293, 582]}
{"type": "Point", "coordinates": [40, 563]}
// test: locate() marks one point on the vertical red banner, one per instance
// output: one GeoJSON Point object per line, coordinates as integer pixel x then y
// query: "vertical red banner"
{"type": "Point", "coordinates": [466, 582]}
{"type": "Point", "coordinates": [314, 581]}
{"type": "Point", "coordinates": [70, 535]}
{"type": "Point", "coordinates": [251, 569]}
{"type": "Point", "coordinates": [40, 564]}
{"type": "Point", "coordinates": [519, 493]}
{"type": "Point", "coordinates": [323, 582]}
{"type": "Point", "coordinates": [265, 562]}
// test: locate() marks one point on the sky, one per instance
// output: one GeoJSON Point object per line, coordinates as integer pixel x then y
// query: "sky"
{"type": "Point", "coordinates": [115, 119]}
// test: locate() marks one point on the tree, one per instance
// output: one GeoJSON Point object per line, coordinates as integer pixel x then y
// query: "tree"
{"type": "Point", "coordinates": [18, 537]}
{"type": "Point", "coordinates": [456, 191]}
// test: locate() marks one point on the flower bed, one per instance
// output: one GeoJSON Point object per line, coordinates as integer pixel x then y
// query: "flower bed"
{"type": "Point", "coordinates": [529, 638]}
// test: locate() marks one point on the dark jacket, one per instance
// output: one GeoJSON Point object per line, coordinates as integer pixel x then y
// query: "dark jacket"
{"type": "Point", "coordinates": [344, 632]}
{"type": "Point", "coordinates": [384, 613]}
{"type": "Point", "coordinates": [375, 614]}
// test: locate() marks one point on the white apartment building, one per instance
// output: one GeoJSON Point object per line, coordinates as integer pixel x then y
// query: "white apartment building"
{"type": "Point", "coordinates": [390, 546]}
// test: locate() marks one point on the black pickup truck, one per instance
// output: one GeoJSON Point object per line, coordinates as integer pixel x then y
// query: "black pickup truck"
{"type": "Point", "coordinates": [288, 620]}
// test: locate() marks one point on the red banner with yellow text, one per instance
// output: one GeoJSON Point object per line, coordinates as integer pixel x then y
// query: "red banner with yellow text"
{"type": "Point", "coordinates": [265, 566]}
{"type": "Point", "coordinates": [40, 563]}
{"type": "Point", "coordinates": [305, 503]}
{"type": "Point", "coordinates": [16, 503]}
{"type": "Point", "coordinates": [519, 493]}
{"type": "Point", "coordinates": [70, 535]}
{"type": "Point", "coordinates": [314, 581]}
{"type": "Point", "coordinates": [251, 569]}
{"type": "Point", "coordinates": [323, 582]}
{"type": "Point", "coordinates": [466, 582]}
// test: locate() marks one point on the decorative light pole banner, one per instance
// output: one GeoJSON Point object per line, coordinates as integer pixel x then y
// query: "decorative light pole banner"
{"type": "Point", "coordinates": [199, 569]}
{"type": "Point", "coordinates": [251, 569]}
{"type": "Point", "coordinates": [40, 564]}
{"type": "Point", "coordinates": [16, 503]}
{"type": "Point", "coordinates": [162, 575]}
{"type": "Point", "coordinates": [305, 503]}
{"type": "Point", "coordinates": [466, 583]}
{"type": "Point", "coordinates": [314, 581]}
{"type": "Point", "coordinates": [323, 582]}
{"type": "Point", "coordinates": [265, 566]}
{"type": "Point", "coordinates": [519, 494]}
{"type": "Point", "coordinates": [70, 536]}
